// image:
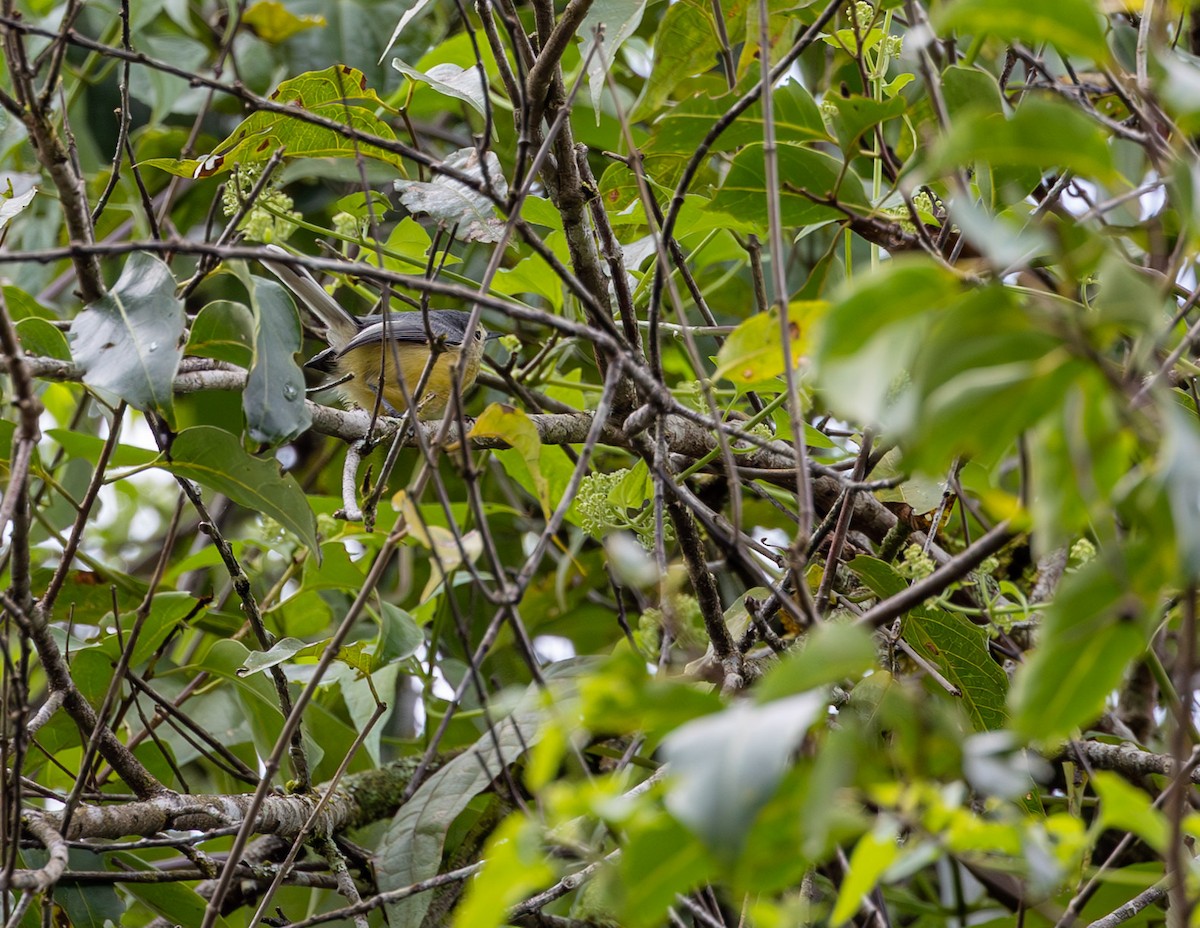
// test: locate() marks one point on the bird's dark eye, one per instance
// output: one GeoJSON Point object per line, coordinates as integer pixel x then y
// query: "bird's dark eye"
{"type": "Point", "coordinates": [479, 335]}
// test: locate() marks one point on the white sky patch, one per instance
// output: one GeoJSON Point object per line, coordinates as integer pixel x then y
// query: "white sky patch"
{"type": "Point", "coordinates": [1076, 205]}
{"type": "Point", "coordinates": [551, 649]}
{"type": "Point", "coordinates": [772, 538]}
{"type": "Point", "coordinates": [1152, 202]}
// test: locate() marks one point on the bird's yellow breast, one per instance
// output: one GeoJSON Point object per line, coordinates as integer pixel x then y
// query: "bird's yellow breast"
{"type": "Point", "coordinates": [364, 364]}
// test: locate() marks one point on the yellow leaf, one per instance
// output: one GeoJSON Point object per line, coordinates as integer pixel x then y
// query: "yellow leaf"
{"type": "Point", "coordinates": [754, 351]}
{"type": "Point", "coordinates": [511, 425]}
{"type": "Point", "coordinates": [274, 23]}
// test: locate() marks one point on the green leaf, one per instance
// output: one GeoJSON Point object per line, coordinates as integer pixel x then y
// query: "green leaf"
{"type": "Point", "coordinates": [717, 793]}
{"type": "Point", "coordinates": [683, 127]}
{"type": "Point", "coordinates": [338, 93]}
{"type": "Point", "coordinates": [274, 397]}
{"type": "Point", "coordinates": [12, 206]}
{"type": "Point", "coordinates": [806, 174]}
{"type": "Point", "coordinates": [41, 339]}
{"type": "Point", "coordinates": [223, 330]}
{"type": "Point", "coordinates": [960, 652]}
{"type": "Point", "coordinates": [857, 115]}
{"type": "Point", "coordinates": [167, 612]}
{"type": "Point", "coordinates": [128, 344]}
{"type": "Point", "coordinates": [685, 44]}
{"type": "Point", "coordinates": [989, 368]}
{"type": "Point", "coordinates": [214, 458]}
{"type": "Point", "coordinates": [1041, 135]}
{"type": "Point", "coordinates": [833, 651]}
{"type": "Point", "coordinates": [950, 642]}
{"type": "Point", "coordinates": [1072, 26]}
{"type": "Point", "coordinates": [411, 848]}
{"type": "Point", "coordinates": [514, 866]}
{"type": "Point", "coordinates": [1090, 634]}
{"type": "Point", "coordinates": [283, 650]}
{"type": "Point", "coordinates": [89, 447]}
{"type": "Point", "coordinates": [619, 20]}
{"type": "Point", "coordinates": [872, 856]}
{"type": "Point", "coordinates": [1124, 807]}
{"type": "Point", "coordinates": [399, 635]}
{"type": "Point", "coordinates": [81, 904]}
{"type": "Point", "coordinates": [23, 306]}
{"type": "Point", "coordinates": [659, 860]}
{"type": "Point", "coordinates": [866, 342]}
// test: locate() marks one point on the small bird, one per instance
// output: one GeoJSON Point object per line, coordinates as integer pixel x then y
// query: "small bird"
{"type": "Point", "coordinates": [366, 350]}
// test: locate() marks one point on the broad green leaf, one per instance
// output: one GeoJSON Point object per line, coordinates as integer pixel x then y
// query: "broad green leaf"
{"type": "Point", "coordinates": [988, 368]}
{"type": "Point", "coordinates": [532, 274]}
{"type": "Point", "coordinates": [717, 793]}
{"type": "Point", "coordinates": [959, 650]}
{"type": "Point", "coordinates": [514, 866]}
{"type": "Point", "coordinates": [866, 342]}
{"type": "Point", "coordinates": [619, 19]}
{"type": "Point", "coordinates": [950, 642]}
{"type": "Point", "coordinates": [635, 489]}
{"type": "Point", "coordinates": [167, 612]}
{"type": "Point", "coordinates": [1041, 135]}
{"type": "Point", "coordinates": [1083, 452]}
{"type": "Point", "coordinates": [1178, 85]}
{"type": "Point", "coordinates": [41, 339]}
{"type": "Point", "coordinates": [753, 353]}
{"type": "Point", "coordinates": [683, 127]}
{"type": "Point", "coordinates": [857, 115]}
{"type": "Point", "coordinates": [659, 860]}
{"type": "Point", "coordinates": [76, 903]}
{"type": "Point", "coordinates": [685, 44]}
{"type": "Point", "coordinates": [1090, 633]}
{"type": "Point", "coordinates": [399, 635]}
{"type": "Point", "coordinates": [1074, 27]}
{"type": "Point", "coordinates": [1124, 807]}
{"type": "Point", "coordinates": [832, 652]}
{"type": "Point", "coordinates": [22, 305]}
{"type": "Point", "coordinates": [223, 330]}
{"type": "Point", "coordinates": [274, 23]}
{"type": "Point", "coordinates": [338, 93]}
{"type": "Point", "coordinates": [214, 458]}
{"type": "Point", "coordinates": [872, 856]}
{"type": "Point", "coordinates": [273, 400]}
{"type": "Point", "coordinates": [966, 89]}
{"type": "Point", "coordinates": [622, 697]}
{"type": "Point", "coordinates": [510, 424]}
{"type": "Point", "coordinates": [809, 178]}
{"type": "Point", "coordinates": [89, 447]}
{"type": "Point", "coordinates": [411, 848]}
{"type": "Point", "coordinates": [256, 697]}
{"type": "Point", "coordinates": [128, 344]}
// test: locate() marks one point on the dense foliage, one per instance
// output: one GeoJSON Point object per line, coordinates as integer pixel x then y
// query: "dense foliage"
{"type": "Point", "coordinates": [819, 544]}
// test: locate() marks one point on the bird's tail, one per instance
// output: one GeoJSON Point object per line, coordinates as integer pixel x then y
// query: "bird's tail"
{"type": "Point", "coordinates": [341, 325]}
